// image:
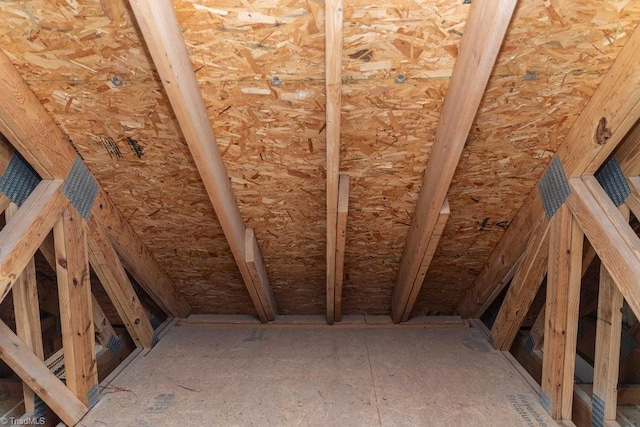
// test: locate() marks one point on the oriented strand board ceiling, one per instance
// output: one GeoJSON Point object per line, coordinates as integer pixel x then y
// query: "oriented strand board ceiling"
{"type": "Point", "coordinates": [87, 63]}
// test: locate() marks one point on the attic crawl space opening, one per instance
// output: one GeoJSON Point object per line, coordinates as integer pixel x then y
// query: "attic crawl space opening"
{"type": "Point", "coordinates": [463, 173]}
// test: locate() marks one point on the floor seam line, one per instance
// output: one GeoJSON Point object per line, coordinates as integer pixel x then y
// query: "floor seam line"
{"type": "Point", "coordinates": [373, 381]}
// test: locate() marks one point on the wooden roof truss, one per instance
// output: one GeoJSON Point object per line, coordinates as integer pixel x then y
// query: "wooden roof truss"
{"type": "Point", "coordinates": [537, 243]}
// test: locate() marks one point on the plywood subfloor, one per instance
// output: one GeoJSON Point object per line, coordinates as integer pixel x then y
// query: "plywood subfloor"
{"type": "Point", "coordinates": [284, 375]}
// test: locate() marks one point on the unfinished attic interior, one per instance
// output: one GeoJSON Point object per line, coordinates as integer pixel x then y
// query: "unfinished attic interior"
{"type": "Point", "coordinates": [243, 212]}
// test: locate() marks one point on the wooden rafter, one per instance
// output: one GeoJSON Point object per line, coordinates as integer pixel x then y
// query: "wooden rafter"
{"type": "Point", "coordinates": [483, 34]}
{"type": "Point", "coordinates": [32, 131]}
{"type": "Point", "coordinates": [605, 121]}
{"type": "Point", "coordinates": [524, 287]}
{"type": "Point", "coordinates": [333, 83]}
{"type": "Point", "coordinates": [443, 216]}
{"type": "Point", "coordinates": [37, 376]}
{"type": "Point", "coordinates": [74, 289]}
{"type": "Point", "coordinates": [108, 268]}
{"type": "Point", "coordinates": [25, 231]}
{"type": "Point", "coordinates": [256, 269]}
{"type": "Point", "coordinates": [159, 27]}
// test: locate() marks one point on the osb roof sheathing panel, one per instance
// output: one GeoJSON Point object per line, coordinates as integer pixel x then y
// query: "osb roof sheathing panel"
{"type": "Point", "coordinates": [86, 62]}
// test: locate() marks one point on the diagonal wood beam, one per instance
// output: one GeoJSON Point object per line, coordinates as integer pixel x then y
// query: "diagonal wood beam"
{"type": "Point", "coordinates": [615, 242]}
{"type": "Point", "coordinates": [35, 373]}
{"type": "Point", "coordinates": [633, 201]}
{"type": "Point", "coordinates": [333, 82]}
{"type": "Point", "coordinates": [614, 106]}
{"type": "Point", "coordinates": [32, 131]}
{"type": "Point", "coordinates": [523, 289]}
{"type": "Point", "coordinates": [483, 34]}
{"type": "Point", "coordinates": [445, 212]}
{"type": "Point", "coordinates": [159, 26]}
{"type": "Point", "coordinates": [27, 313]}
{"type": "Point", "coordinates": [107, 266]}
{"type": "Point", "coordinates": [256, 268]}
{"type": "Point", "coordinates": [25, 231]}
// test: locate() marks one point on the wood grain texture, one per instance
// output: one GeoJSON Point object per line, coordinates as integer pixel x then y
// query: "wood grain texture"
{"type": "Point", "coordinates": [26, 230]}
{"type": "Point", "coordinates": [103, 328]}
{"type": "Point", "coordinates": [407, 306]}
{"type": "Point", "coordinates": [537, 330]}
{"type": "Point", "coordinates": [31, 130]}
{"type": "Point", "coordinates": [561, 312]}
{"type": "Point", "coordinates": [74, 290]}
{"type": "Point", "coordinates": [268, 308]}
{"type": "Point", "coordinates": [616, 99]}
{"type": "Point", "coordinates": [341, 242]}
{"type": "Point", "coordinates": [607, 356]}
{"type": "Point", "coordinates": [611, 236]}
{"type": "Point", "coordinates": [333, 87]}
{"type": "Point", "coordinates": [524, 287]}
{"type": "Point", "coordinates": [36, 374]}
{"type": "Point", "coordinates": [27, 313]}
{"type": "Point", "coordinates": [273, 139]}
{"type": "Point", "coordinates": [114, 279]}
{"type": "Point", "coordinates": [164, 40]}
{"type": "Point", "coordinates": [479, 47]}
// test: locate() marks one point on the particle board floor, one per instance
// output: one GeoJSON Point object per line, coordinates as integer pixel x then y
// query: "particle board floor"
{"type": "Point", "coordinates": [270, 375]}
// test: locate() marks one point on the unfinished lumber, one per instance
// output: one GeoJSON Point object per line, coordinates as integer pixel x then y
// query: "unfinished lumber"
{"type": "Point", "coordinates": [607, 353]}
{"type": "Point", "coordinates": [32, 131]}
{"type": "Point", "coordinates": [105, 334]}
{"type": "Point", "coordinates": [561, 311]}
{"type": "Point", "coordinates": [74, 290]}
{"type": "Point", "coordinates": [258, 273]}
{"type": "Point", "coordinates": [36, 374]}
{"type": "Point", "coordinates": [524, 287]}
{"type": "Point", "coordinates": [159, 27]}
{"type": "Point", "coordinates": [537, 330]}
{"type": "Point", "coordinates": [397, 305]}
{"type": "Point", "coordinates": [27, 313]}
{"type": "Point", "coordinates": [604, 122]}
{"type": "Point", "coordinates": [109, 269]}
{"type": "Point", "coordinates": [333, 84]}
{"type": "Point", "coordinates": [341, 242]}
{"type": "Point", "coordinates": [614, 240]}
{"type": "Point", "coordinates": [628, 154]}
{"type": "Point", "coordinates": [23, 233]}
{"type": "Point", "coordinates": [633, 201]}
{"type": "Point", "coordinates": [483, 34]}
{"type": "Point", "coordinates": [4, 202]}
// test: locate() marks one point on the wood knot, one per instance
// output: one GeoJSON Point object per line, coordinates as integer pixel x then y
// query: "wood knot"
{"type": "Point", "coordinates": [603, 133]}
{"type": "Point", "coordinates": [62, 262]}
